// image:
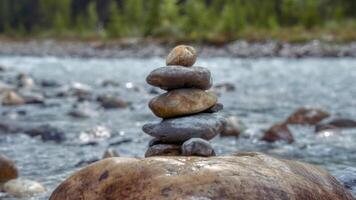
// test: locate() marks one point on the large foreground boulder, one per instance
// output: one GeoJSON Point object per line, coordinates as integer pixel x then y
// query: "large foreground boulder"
{"type": "Point", "coordinates": [244, 176]}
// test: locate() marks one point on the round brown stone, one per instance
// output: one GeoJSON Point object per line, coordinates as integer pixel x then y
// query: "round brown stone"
{"type": "Point", "coordinates": [182, 102]}
{"type": "Point", "coordinates": [175, 77]}
{"type": "Point", "coordinates": [182, 55]}
{"type": "Point", "coordinates": [250, 176]}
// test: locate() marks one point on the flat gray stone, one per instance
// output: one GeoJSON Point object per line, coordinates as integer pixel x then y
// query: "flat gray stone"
{"type": "Point", "coordinates": [175, 130]}
{"type": "Point", "coordinates": [174, 77]}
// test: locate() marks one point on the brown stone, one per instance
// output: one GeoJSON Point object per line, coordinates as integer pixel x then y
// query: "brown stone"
{"type": "Point", "coordinates": [182, 55]}
{"type": "Point", "coordinates": [8, 169]}
{"type": "Point", "coordinates": [163, 150]}
{"type": "Point", "coordinates": [248, 176]}
{"type": "Point", "coordinates": [182, 102]}
{"type": "Point", "coordinates": [309, 116]}
{"type": "Point", "coordinates": [278, 132]}
{"type": "Point", "coordinates": [175, 77]}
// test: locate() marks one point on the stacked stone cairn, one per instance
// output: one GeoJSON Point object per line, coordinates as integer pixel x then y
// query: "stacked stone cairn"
{"type": "Point", "coordinates": [187, 109]}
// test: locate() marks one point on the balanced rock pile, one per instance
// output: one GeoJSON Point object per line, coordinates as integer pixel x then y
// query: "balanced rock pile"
{"type": "Point", "coordinates": [187, 108]}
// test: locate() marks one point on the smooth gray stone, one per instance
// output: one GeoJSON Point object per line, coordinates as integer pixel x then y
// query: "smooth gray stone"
{"type": "Point", "coordinates": [197, 147]}
{"type": "Point", "coordinates": [175, 77]}
{"type": "Point", "coordinates": [181, 129]}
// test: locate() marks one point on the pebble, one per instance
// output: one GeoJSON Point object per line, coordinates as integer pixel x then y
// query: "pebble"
{"type": "Point", "coordinates": [175, 77]}
{"type": "Point", "coordinates": [110, 101]}
{"type": "Point", "coordinates": [11, 98]}
{"type": "Point", "coordinates": [182, 55]}
{"type": "Point", "coordinates": [307, 116]}
{"type": "Point", "coordinates": [197, 147]}
{"type": "Point", "coordinates": [233, 127]}
{"type": "Point", "coordinates": [278, 132]}
{"type": "Point", "coordinates": [110, 152]}
{"type": "Point", "coordinates": [163, 150]}
{"type": "Point", "coordinates": [23, 188]}
{"type": "Point", "coordinates": [47, 133]}
{"type": "Point", "coordinates": [204, 125]}
{"type": "Point", "coordinates": [182, 102]}
{"type": "Point", "coordinates": [8, 169]}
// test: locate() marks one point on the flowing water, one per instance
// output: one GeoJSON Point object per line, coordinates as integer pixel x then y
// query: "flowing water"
{"type": "Point", "coordinates": [267, 91]}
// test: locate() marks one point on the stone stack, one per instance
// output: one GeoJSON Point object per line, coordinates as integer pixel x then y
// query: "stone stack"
{"type": "Point", "coordinates": [187, 109]}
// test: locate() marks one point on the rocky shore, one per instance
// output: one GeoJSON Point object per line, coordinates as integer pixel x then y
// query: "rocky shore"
{"type": "Point", "coordinates": [137, 48]}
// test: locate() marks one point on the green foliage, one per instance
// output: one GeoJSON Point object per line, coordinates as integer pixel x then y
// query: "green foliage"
{"type": "Point", "coordinates": [173, 19]}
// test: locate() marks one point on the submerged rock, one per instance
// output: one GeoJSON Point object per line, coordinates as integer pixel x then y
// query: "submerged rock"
{"type": "Point", "coordinates": [205, 126]}
{"type": "Point", "coordinates": [335, 123]}
{"type": "Point", "coordinates": [8, 170]}
{"type": "Point", "coordinates": [244, 176]}
{"type": "Point", "coordinates": [310, 116]}
{"type": "Point", "coordinates": [278, 132]}
{"type": "Point", "coordinates": [175, 77]}
{"type": "Point", "coordinates": [182, 102]}
{"type": "Point", "coordinates": [163, 150]}
{"type": "Point", "coordinates": [197, 147]}
{"type": "Point", "coordinates": [182, 55]}
{"type": "Point", "coordinates": [23, 188]}
{"type": "Point", "coordinates": [47, 133]}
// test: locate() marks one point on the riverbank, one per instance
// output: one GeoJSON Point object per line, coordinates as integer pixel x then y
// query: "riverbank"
{"type": "Point", "coordinates": [144, 48]}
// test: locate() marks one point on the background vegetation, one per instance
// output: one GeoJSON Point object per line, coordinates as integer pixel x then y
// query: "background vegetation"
{"type": "Point", "coordinates": [172, 20]}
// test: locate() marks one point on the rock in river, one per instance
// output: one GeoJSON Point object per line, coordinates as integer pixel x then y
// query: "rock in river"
{"type": "Point", "coordinates": [8, 170]}
{"type": "Point", "coordinates": [197, 147]}
{"type": "Point", "coordinates": [278, 132]}
{"type": "Point", "coordinates": [163, 150]}
{"type": "Point", "coordinates": [310, 116]}
{"type": "Point", "coordinates": [205, 126]}
{"type": "Point", "coordinates": [251, 176]}
{"type": "Point", "coordinates": [23, 188]}
{"type": "Point", "coordinates": [182, 102]}
{"type": "Point", "coordinates": [11, 98]}
{"type": "Point", "coordinates": [175, 77]}
{"type": "Point", "coordinates": [182, 55]}
{"type": "Point", "coordinates": [110, 101]}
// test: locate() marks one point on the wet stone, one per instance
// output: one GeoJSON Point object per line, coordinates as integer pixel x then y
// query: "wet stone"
{"type": "Point", "coordinates": [182, 102]}
{"type": "Point", "coordinates": [278, 132]}
{"type": "Point", "coordinates": [197, 147]}
{"type": "Point", "coordinates": [182, 55]}
{"type": "Point", "coordinates": [307, 116]}
{"type": "Point", "coordinates": [110, 101]}
{"type": "Point", "coordinates": [47, 133]}
{"type": "Point", "coordinates": [205, 126]}
{"type": "Point", "coordinates": [175, 77]}
{"type": "Point", "coordinates": [8, 169]}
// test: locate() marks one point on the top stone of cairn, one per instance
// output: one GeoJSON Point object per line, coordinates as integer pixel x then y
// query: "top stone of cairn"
{"type": "Point", "coordinates": [182, 55]}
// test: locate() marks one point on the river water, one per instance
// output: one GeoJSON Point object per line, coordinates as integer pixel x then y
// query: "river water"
{"type": "Point", "coordinates": [267, 91]}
